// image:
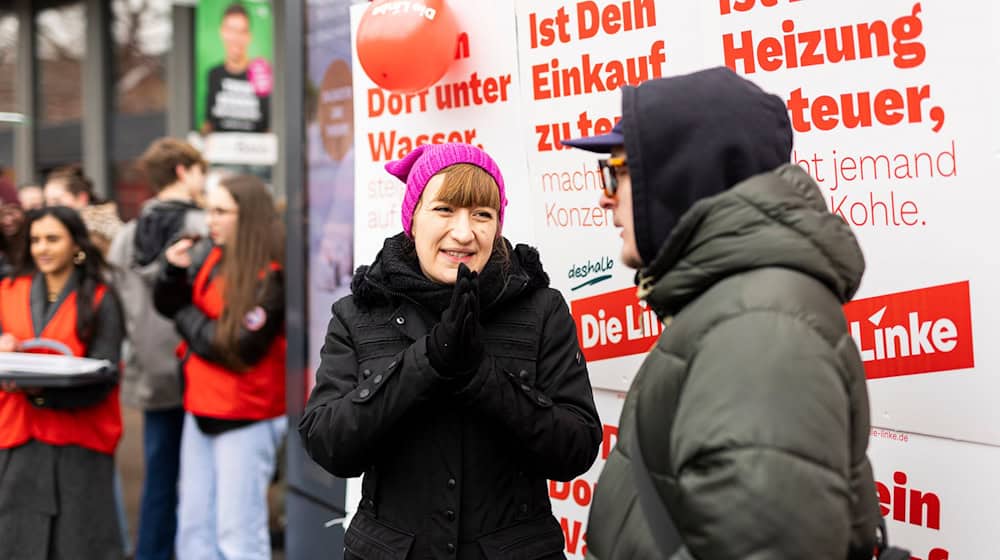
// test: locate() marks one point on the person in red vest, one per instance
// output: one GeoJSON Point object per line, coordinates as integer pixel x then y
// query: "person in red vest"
{"type": "Point", "coordinates": [57, 444]}
{"type": "Point", "coordinates": [226, 298]}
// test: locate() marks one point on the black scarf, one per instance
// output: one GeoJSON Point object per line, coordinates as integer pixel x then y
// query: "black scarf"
{"type": "Point", "coordinates": [396, 274]}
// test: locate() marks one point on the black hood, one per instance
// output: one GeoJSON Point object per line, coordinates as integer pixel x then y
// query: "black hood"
{"type": "Point", "coordinates": [694, 136]}
{"type": "Point", "coordinates": [157, 226]}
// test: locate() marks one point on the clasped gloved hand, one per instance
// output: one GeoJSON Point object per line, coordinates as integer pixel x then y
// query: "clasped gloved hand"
{"type": "Point", "coordinates": [455, 345]}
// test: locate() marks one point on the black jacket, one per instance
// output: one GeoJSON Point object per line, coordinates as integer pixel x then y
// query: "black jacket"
{"type": "Point", "coordinates": [172, 298]}
{"type": "Point", "coordinates": [453, 470]}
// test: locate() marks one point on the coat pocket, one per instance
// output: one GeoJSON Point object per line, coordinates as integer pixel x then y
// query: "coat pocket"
{"type": "Point", "coordinates": [540, 538]}
{"type": "Point", "coordinates": [370, 539]}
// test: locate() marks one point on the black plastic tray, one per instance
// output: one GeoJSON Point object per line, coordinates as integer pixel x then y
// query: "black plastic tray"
{"type": "Point", "coordinates": [49, 370]}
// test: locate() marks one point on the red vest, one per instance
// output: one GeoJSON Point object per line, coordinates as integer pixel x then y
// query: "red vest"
{"type": "Point", "coordinates": [214, 391]}
{"type": "Point", "coordinates": [97, 427]}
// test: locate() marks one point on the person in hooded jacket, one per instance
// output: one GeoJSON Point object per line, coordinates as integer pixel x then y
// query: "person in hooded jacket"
{"type": "Point", "coordinates": [451, 378]}
{"type": "Point", "coordinates": [745, 431]}
{"type": "Point", "coordinates": [151, 380]}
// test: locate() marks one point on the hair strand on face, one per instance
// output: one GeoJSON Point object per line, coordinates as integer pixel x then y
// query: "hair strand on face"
{"type": "Point", "coordinates": [468, 186]}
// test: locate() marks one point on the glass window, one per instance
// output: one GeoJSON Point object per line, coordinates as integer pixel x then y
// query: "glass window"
{"type": "Point", "coordinates": [9, 114]}
{"type": "Point", "coordinates": [141, 32]}
{"type": "Point", "coordinates": [8, 61]}
{"type": "Point", "coordinates": [61, 45]}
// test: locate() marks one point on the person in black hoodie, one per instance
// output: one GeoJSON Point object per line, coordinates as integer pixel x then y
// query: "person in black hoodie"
{"type": "Point", "coordinates": [745, 431]}
{"type": "Point", "coordinates": [452, 380]}
{"type": "Point", "coordinates": [152, 380]}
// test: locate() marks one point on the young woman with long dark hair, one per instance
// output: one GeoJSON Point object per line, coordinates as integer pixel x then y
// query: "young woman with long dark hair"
{"type": "Point", "coordinates": [226, 297]}
{"type": "Point", "coordinates": [57, 444]}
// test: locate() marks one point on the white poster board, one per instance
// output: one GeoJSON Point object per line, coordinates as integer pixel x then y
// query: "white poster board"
{"type": "Point", "coordinates": [476, 102]}
{"type": "Point", "coordinates": [938, 496]}
{"type": "Point", "coordinates": [892, 108]}
{"type": "Point", "coordinates": [887, 102]}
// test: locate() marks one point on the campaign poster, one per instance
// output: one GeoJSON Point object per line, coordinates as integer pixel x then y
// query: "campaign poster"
{"type": "Point", "coordinates": [891, 106]}
{"type": "Point", "coordinates": [330, 173]}
{"type": "Point", "coordinates": [890, 113]}
{"type": "Point", "coordinates": [938, 496]}
{"type": "Point", "coordinates": [574, 57]}
{"type": "Point", "coordinates": [233, 66]}
{"type": "Point", "coordinates": [476, 102]}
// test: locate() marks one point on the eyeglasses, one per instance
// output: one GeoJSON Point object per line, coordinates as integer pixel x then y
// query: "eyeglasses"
{"type": "Point", "coordinates": [611, 169]}
{"type": "Point", "coordinates": [217, 212]}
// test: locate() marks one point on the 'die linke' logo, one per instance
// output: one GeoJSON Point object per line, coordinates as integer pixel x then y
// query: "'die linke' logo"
{"type": "Point", "coordinates": [919, 331]}
{"type": "Point", "coordinates": [614, 324]}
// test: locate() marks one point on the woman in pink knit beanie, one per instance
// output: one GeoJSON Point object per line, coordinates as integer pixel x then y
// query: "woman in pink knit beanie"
{"type": "Point", "coordinates": [452, 380]}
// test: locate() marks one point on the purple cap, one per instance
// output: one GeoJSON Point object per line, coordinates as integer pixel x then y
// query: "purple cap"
{"type": "Point", "coordinates": [425, 161]}
{"type": "Point", "coordinates": [600, 144]}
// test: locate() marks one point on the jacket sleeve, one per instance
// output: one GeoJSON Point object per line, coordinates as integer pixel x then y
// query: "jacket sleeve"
{"type": "Point", "coordinates": [172, 290]}
{"type": "Point", "coordinates": [762, 424]}
{"type": "Point", "coordinates": [348, 415]}
{"type": "Point", "coordinates": [119, 253]}
{"type": "Point", "coordinates": [106, 345]}
{"type": "Point", "coordinates": [556, 421]}
{"type": "Point", "coordinates": [253, 344]}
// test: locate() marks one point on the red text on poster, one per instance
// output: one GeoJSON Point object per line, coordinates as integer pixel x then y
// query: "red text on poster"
{"type": "Point", "coordinates": [917, 331]}
{"type": "Point", "coordinates": [614, 324]}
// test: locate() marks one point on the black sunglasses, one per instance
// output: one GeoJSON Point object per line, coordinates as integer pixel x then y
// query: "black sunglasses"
{"type": "Point", "coordinates": [609, 173]}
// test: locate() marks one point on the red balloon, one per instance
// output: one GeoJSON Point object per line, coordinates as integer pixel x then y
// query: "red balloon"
{"type": "Point", "coordinates": [407, 46]}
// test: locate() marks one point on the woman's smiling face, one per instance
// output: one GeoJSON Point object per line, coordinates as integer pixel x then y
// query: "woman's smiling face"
{"type": "Point", "coordinates": [447, 235]}
{"type": "Point", "coordinates": [52, 245]}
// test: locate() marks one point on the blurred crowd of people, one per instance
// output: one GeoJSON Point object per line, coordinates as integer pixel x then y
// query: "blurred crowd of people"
{"type": "Point", "coordinates": [188, 301]}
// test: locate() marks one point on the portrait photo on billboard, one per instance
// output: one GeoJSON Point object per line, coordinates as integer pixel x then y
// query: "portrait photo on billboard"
{"type": "Point", "coordinates": [233, 66]}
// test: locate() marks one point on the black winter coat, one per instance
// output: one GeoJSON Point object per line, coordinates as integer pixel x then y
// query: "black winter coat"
{"type": "Point", "coordinates": [452, 469]}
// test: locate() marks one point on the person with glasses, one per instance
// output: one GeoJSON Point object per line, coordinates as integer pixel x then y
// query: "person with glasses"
{"type": "Point", "coordinates": [451, 378]}
{"type": "Point", "coordinates": [226, 297]}
{"type": "Point", "coordinates": [745, 431]}
{"type": "Point", "coordinates": [150, 383]}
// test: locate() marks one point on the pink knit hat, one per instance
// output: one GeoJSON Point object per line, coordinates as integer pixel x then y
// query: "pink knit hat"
{"type": "Point", "coordinates": [425, 161]}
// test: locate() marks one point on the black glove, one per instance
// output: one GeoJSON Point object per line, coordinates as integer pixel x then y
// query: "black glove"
{"type": "Point", "coordinates": [455, 345]}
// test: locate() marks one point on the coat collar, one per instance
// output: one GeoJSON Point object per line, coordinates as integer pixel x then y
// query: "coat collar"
{"type": "Point", "coordinates": [775, 219]}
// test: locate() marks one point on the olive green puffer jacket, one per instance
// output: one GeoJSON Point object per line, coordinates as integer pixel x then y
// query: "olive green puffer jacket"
{"type": "Point", "coordinates": [751, 411]}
